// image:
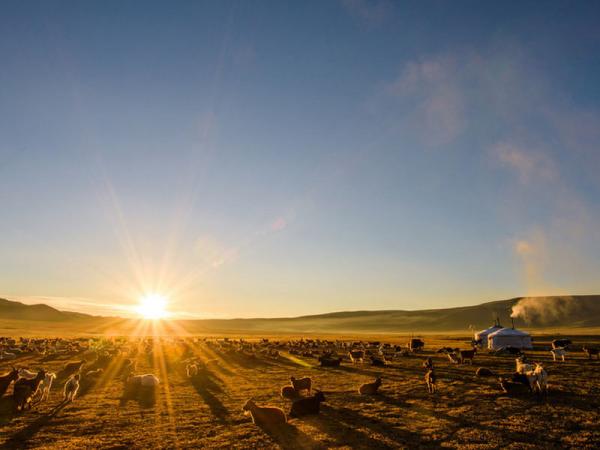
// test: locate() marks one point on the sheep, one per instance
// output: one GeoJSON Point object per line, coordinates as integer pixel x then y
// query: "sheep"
{"type": "Point", "coordinates": [591, 351]}
{"type": "Point", "coordinates": [71, 388]}
{"type": "Point", "coordinates": [24, 391]}
{"type": "Point", "coordinates": [302, 384]}
{"type": "Point", "coordinates": [45, 385]}
{"type": "Point", "coordinates": [7, 379]}
{"type": "Point", "coordinates": [328, 361]}
{"type": "Point", "coordinates": [370, 388]}
{"type": "Point", "coordinates": [265, 416]}
{"type": "Point", "coordinates": [137, 385]}
{"type": "Point", "coordinates": [522, 366]}
{"type": "Point", "coordinates": [308, 405]}
{"type": "Point", "coordinates": [289, 392]}
{"type": "Point", "coordinates": [430, 380]}
{"type": "Point", "coordinates": [558, 352]}
{"type": "Point", "coordinates": [484, 372]}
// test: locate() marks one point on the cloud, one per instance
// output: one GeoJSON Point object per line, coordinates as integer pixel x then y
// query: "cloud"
{"type": "Point", "coordinates": [530, 165]}
{"type": "Point", "coordinates": [279, 224]}
{"type": "Point", "coordinates": [371, 12]}
{"type": "Point", "coordinates": [430, 93]}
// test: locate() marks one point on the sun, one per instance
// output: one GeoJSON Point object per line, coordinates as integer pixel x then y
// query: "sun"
{"type": "Point", "coordinates": [153, 306]}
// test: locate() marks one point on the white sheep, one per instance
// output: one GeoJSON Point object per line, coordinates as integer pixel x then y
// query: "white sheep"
{"type": "Point", "coordinates": [267, 417]}
{"type": "Point", "coordinates": [71, 388]}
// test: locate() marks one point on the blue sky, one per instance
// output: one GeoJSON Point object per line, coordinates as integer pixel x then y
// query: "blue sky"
{"type": "Point", "coordinates": [284, 158]}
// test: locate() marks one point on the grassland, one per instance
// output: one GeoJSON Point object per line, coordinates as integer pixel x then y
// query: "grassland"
{"type": "Point", "coordinates": [466, 412]}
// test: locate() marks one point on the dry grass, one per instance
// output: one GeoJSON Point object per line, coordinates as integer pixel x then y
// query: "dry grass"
{"type": "Point", "coordinates": [465, 412]}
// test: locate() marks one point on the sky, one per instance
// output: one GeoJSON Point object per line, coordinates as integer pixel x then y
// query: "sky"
{"type": "Point", "coordinates": [279, 158]}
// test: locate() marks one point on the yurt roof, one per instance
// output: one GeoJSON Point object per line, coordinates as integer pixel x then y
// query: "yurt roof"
{"type": "Point", "coordinates": [489, 330]}
{"type": "Point", "coordinates": [508, 332]}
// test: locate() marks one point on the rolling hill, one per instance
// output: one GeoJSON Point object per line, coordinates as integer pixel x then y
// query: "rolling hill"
{"type": "Point", "coordinates": [534, 312]}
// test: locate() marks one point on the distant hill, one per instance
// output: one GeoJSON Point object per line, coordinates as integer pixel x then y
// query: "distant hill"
{"type": "Point", "coordinates": [20, 311]}
{"type": "Point", "coordinates": [533, 312]}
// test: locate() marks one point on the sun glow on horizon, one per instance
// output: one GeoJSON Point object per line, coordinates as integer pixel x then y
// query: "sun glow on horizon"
{"type": "Point", "coordinates": [153, 307]}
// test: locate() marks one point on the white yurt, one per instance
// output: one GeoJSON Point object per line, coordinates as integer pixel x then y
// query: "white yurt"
{"type": "Point", "coordinates": [509, 337]}
{"type": "Point", "coordinates": [482, 336]}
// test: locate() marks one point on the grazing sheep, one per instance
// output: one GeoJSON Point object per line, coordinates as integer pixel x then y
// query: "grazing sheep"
{"type": "Point", "coordinates": [289, 392]}
{"type": "Point", "coordinates": [430, 380]}
{"type": "Point", "coordinates": [370, 388]}
{"type": "Point", "coordinates": [522, 366]}
{"type": "Point", "coordinates": [308, 405]}
{"type": "Point", "coordinates": [7, 379]}
{"type": "Point", "coordinates": [46, 385]}
{"type": "Point", "coordinates": [558, 352]}
{"type": "Point", "coordinates": [265, 416]}
{"type": "Point", "coordinates": [25, 389]}
{"type": "Point", "coordinates": [591, 351]}
{"type": "Point", "coordinates": [71, 388]}
{"type": "Point", "coordinates": [301, 384]}
{"type": "Point", "coordinates": [484, 372]}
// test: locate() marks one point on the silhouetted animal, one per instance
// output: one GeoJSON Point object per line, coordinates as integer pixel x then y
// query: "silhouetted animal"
{"type": "Point", "coordinates": [307, 406]}
{"type": "Point", "coordinates": [25, 389]}
{"type": "Point", "coordinates": [7, 379]}
{"type": "Point", "coordinates": [370, 388]}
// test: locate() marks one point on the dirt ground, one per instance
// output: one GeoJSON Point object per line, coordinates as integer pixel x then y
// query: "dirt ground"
{"type": "Point", "coordinates": [466, 412]}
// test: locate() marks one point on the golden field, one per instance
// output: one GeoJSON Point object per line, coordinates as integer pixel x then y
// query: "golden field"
{"type": "Point", "coordinates": [466, 412]}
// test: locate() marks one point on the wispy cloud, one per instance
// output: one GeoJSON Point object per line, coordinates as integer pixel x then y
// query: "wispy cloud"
{"type": "Point", "coordinates": [530, 165]}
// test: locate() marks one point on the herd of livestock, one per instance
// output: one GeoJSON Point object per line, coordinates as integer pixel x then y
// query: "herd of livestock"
{"type": "Point", "coordinates": [91, 360]}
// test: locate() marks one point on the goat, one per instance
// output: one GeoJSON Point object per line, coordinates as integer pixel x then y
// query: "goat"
{"type": "Point", "coordinates": [73, 367]}
{"type": "Point", "coordinates": [301, 384]}
{"type": "Point", "coordinates": [265, 416]}
{"type": "Point", "coordinates": [71, 388]}
{"type": "Point", "coordinates": [45, 385]}
{"type": "Point", "coordinates": [428, 364]}
{"type": "Point", "coordinates": [7, 379]}
{"type": "Point", "coordinates": [558, 352]}
{"type": "Point", "coordinates": [591, 351]}
{"type": "Point", "coordinates": [522, 365]}
{"type": "Point", "coordinates": [453, 358]}
{"type": "Point", "coordinates": [538, 379]}
{"type": "Point", "coordinates": [511, 387]}
{"type": "Point", "coordinates": [27, 374]}
{"type": "Point", "coordinates": [307, 405]}
{"type": "Point", "coordinates": [289, 392]}
{"type": "Point", "coordinates": [191, 370]}
{"type": "Point", "coordinates": [561, 343]}
{"type": "Point", "coordinates": [25, 389]}
{"type": "Point", "coordinates": [370, 388]}
{"type": "Point", "coordinates": [464, 355]}
{"type": "Point", "coordinates": [430, 380]}
{"type": "Point", "coordinates": [356, 356]}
